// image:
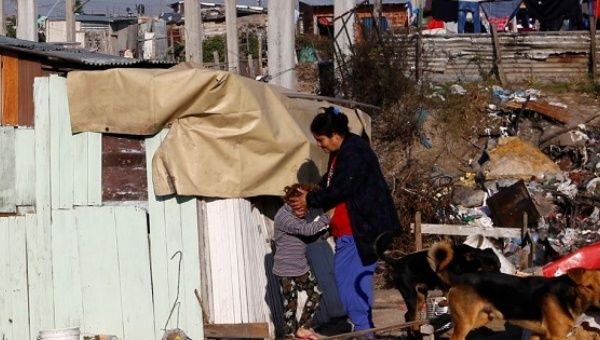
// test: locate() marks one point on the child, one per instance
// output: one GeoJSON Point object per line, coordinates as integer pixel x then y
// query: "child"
{"type": "Point", "coordinates": [292, 232]}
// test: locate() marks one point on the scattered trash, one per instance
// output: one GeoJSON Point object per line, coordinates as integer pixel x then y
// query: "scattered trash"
{"type": "Point", "coordinates": [509, 204]}
{"type": "Point", "coordinates": [457, 89]}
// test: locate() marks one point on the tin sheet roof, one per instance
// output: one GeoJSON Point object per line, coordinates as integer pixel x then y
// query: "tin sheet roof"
{"type": "Point", "coordinates": [72, 55]}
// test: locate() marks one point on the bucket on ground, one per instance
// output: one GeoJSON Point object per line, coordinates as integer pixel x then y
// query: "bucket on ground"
{"type": "Point", "coordinates": [72, 333]}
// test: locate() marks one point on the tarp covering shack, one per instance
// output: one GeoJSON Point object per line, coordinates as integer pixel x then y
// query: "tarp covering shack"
{"type": "Point", "coordinates": [230, 136]}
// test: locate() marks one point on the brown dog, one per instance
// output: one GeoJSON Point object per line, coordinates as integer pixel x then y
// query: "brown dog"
{"type": "Point", "coordinates": [546, 306]}
{"type": "Point", "coordinates": [417, 273]}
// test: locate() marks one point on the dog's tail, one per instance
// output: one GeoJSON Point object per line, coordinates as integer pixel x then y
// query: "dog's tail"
{"type": "Point", "coordinates": [382, 243]}
{"type": "Point", "coordinates": [439, 256]}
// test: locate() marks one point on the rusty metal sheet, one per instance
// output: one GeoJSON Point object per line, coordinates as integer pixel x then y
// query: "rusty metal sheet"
{"type": "Point", "coordinates": [10, 90]}
{"type": "Point", "coordinates": [28, 70]}
{"type": "Point", "coordinates": [556, 113]}
{"type": "Point", "coordinates": [509, 204]}
{"type": "Point", "coordinates": [123, 169]}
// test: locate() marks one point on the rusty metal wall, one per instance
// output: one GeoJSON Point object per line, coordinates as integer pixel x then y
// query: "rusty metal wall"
{"type": "Point", "coordinates": [533, 56]}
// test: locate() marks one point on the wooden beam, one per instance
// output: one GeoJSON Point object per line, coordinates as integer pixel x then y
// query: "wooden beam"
{"type": "Point", "coordinates": [498, 56]}
{"type": "Point", "coordinates": [281, 44]}
{"type": "Point", "coordinates": [2, 21]}
{"type": "Point", "coordinates": [194, 31]}
{"type": "Point", "coordinates": [233, 48]}
{"type": "Point", "coordinates": [258, 330]}
{"type": "Point", "coordinates": [27, 19]}
{"type": "Point", "coordinates": [466, 230]}
{"type": "Point", "coordinates": [350, 103]}
{"type": "Point", "coordinates": [418, 234]}
{"type": "Point", "coordinates": [70, 20]}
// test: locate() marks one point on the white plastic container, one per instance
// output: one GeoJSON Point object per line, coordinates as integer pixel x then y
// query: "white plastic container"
{"type": "Point", "coordinates": [72, 333]}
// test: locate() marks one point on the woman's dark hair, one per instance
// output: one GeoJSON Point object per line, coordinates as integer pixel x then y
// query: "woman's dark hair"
{"type": "Point", "coordinates": [330, 121]}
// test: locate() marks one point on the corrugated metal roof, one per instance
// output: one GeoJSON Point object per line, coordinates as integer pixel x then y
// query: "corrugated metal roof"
{"type": "Point", "coordinates": [72, 55]}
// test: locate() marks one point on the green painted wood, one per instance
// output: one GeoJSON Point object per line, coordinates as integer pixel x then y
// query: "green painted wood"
{"type": "Point", "coordinates": [5, 299]}
{"type": "Point", "coordinates": [134, 272]}
{"type": "Point", "coordinates": [80, 169]}
{"type": "Point", "coordinates": [67, 273]}
{"type": "Point", "coordinates": [61, 145]}
{"type": "Point", "coordinates": [173, 228]}
{"type": "Point", "coordinates": [25, 166]}
{"type": "Point", "coordinates": [94, 168]}
{"type": "Point", "coordinates": [38, 226]}
{"type": "Point", "coordinates": [99, 265]}
{"type": "Point", "coordinates": [18, 277]}
{"type": "Point", "coordinates": [158, 241]}
{"type": "Point", "coordinates": [7, 170]}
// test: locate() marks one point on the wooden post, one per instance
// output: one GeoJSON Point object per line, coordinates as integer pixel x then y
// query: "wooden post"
{"type": "Point", "coordinates": [377, 14]}
{"type": "Point", "coordinates": [194, 31]}
{"type": "Point", "coordinates": [233, 50]}
{"type": "Point", "coordinates": [418, 236]}
{"type": "Point", "coordinates": [216, 59]}
{"type": "Point", "coordinates": [70, 20]}
{"type": "Point", "coordinates": [27, 20]}
{"type": "Point", "coordinates": [260, 52]}
{"type": "Point", "coordinates": [251, 69]}
{"type": "Point", "coordinates": [498, 56]}
{"type": "Point", "coordinates": [281, 43]}
{"type": "Point", "coordinates": [593, 39]}
{"type": "Point", "coordinates": [2, 22]}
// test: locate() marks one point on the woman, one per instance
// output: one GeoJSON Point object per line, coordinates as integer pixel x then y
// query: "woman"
{"type": "Point", "coordinates": [355, 187]}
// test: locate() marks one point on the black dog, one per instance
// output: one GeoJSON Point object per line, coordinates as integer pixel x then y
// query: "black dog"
{"type": "Point", "coordinates": [417, 273]}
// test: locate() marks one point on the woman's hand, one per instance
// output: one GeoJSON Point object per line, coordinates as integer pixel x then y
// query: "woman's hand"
{"type": "Point", "coordinates": [330, 212]}
{"type": "Point", "coordinates": [298, 203]}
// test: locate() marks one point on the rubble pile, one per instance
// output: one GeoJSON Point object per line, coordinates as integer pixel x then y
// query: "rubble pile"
{"type": "Point", "coordinates": [540, 158]}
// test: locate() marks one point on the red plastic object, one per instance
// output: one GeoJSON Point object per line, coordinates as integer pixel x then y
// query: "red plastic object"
{"type": "Point", "coordinates": [587, 257]}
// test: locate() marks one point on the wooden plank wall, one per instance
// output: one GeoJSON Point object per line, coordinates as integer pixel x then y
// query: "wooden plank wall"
{"type": "Point", "coordinates": [175, 256]}
{"type": "Point", "coordinates": [101, 268]}
{"type": "Point", "coordinates": [239, 262]}
{"type": "Point", "coordinates": [17, 169]}
{"type": "Point", "coordinates": [17, 77]}
{"type": "Point", "coordinates": [14, 313]}
{"type": "Point", "coordinates": [75, 162]}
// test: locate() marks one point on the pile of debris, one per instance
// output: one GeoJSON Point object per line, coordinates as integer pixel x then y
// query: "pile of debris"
{"type": "Point", "coordinates": [541, 159]}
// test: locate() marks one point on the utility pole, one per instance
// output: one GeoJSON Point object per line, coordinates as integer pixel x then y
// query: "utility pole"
{"type": "Point", "coordinates": [194, 31]}
{"type": "Point", "coordinates": [281, 43]}
{"type": "Point", "coordinates": [2, 23]}
{"type": "Point", "coordinates": [233, 49]}
{"type": "Point", "coordinates": [26, 20]}
{"type": "Point", "coordinates": [70, 19]}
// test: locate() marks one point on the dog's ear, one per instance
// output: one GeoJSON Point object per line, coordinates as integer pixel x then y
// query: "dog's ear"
{"type": "Point", "coordinates": [576, 274]}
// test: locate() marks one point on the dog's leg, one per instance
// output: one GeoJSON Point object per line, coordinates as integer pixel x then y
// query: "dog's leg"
{"type": "Point", "coordinates": [464, 315]}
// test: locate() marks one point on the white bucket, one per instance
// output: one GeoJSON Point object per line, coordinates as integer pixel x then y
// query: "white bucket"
{"type": "Point", "coordinates": [72, 333]}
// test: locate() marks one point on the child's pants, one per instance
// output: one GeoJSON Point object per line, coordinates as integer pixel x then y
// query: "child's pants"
{"type": "Point", "coordinates": [463, 8]}
{"type": "Point", "coordinates": [290, 286]}
{"type": "Point", "coordinates": [354, 283]}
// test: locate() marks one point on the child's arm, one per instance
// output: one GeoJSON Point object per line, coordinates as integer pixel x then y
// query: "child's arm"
{"type": "Point", "coordinates": [297, 226]}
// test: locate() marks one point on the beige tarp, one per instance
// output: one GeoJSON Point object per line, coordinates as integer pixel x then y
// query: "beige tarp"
{"type": "Point", "coordinates": [230, 136]}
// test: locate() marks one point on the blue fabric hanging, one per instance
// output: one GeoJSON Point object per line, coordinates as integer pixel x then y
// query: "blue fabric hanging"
{"type": "Point", "coordinates": [499, 13]}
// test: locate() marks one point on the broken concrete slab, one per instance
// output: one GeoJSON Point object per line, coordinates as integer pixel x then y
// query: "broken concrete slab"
{"type": "Point", "coordinates": [514, 158]}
